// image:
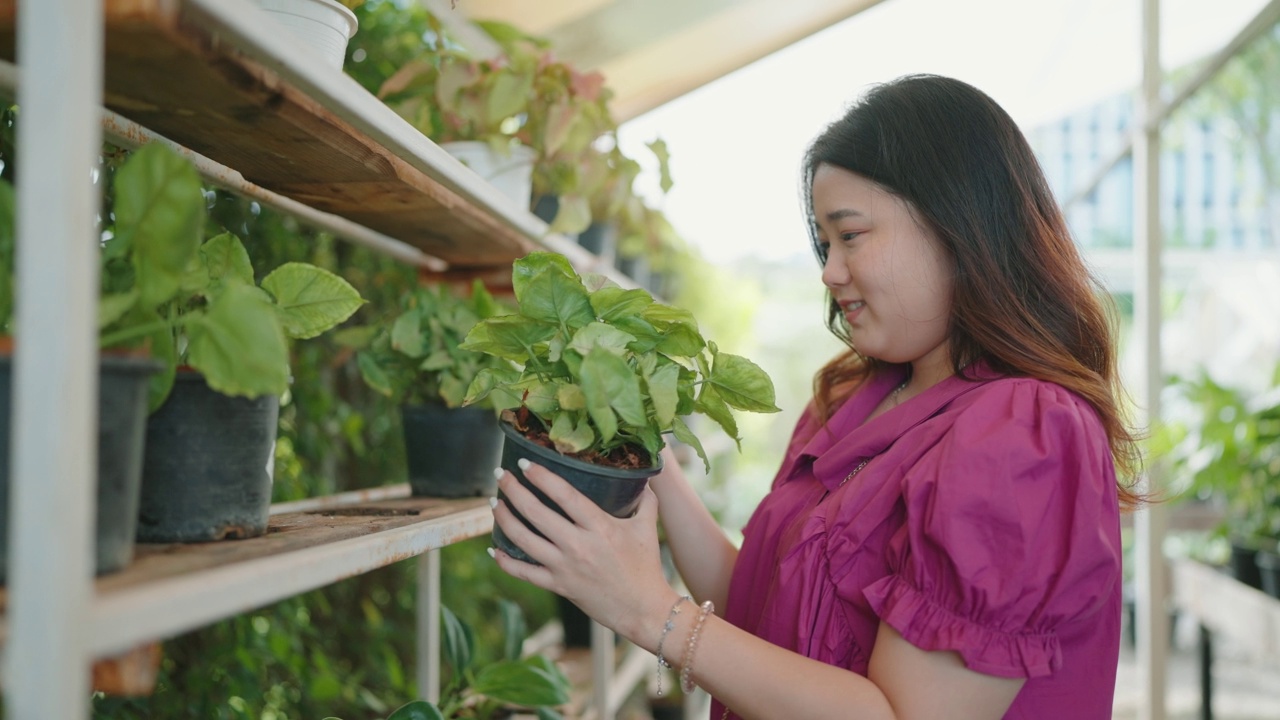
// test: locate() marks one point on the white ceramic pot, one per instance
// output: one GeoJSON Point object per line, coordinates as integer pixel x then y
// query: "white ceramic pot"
{"type": "Point", "coordinates": [511, 174]}
{"type": "Point", "coordinates": [325, 26]}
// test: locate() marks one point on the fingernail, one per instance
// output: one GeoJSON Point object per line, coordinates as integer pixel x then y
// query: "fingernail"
{"type": "Point", "coordinates": [493, 502]}
{"type": "Point", "coordinates": [497, 473]}
{"type": "Point", "coordinates": [492, 553]}
{"type": "Point", "coordinates": [523, 463]}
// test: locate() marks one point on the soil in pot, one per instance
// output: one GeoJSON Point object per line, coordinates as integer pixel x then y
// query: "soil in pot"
{"type": "Point", "coordinates": [451, 452]}
{"type": "Point", "coordinates": [122, 416]}
{"type": "Point", "coordinates": [209, 461]}
{"type": "Point", "coordinates": [615, 490]}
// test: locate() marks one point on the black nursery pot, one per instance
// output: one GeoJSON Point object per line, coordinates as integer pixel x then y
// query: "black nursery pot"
{"type": "Point", "coordinates": [1244, 564]}
{"type": "Point", "coordinates": [615, 490]}
{"type": "Point", "coordinates": [122, 416]}
{"type": "Point", "coordinates": [209, 460]}
{"type": "Point", "coordinates": [1269, 570]}
{"type": "Point", "coordinates": [451, 452]}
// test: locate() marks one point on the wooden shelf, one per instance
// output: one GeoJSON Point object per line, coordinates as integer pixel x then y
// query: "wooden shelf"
{"type": "Point", "coordinates": [169, 589]}
{"type": "Point", "coordinates": [214, 76]}
{"type": "Point", "coordinates": [1250, 617]}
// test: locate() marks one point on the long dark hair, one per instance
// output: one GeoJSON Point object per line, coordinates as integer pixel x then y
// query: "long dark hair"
{"type": "Point", "coordinates": [1023, 300]}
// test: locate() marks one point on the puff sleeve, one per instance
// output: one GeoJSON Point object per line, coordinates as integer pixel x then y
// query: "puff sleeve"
{"type": "Point", "coordinates": [1011, 532]}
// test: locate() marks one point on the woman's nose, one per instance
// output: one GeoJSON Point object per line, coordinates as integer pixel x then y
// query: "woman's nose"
{"type": "Point", "coordinates": [834, 273]}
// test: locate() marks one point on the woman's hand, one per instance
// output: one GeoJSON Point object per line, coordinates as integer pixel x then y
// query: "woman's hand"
{"type": "Point", "coordinates": [610, 567]}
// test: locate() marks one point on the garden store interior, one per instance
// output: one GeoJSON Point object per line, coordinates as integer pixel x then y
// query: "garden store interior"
{"type": "Point", "coordinates": [312, 168]}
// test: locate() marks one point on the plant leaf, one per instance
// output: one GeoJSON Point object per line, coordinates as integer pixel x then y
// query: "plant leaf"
{"type": "Point", "coordinates": [612, 302]}
{"type": "Point", "coordinates": [436, 361]}
{"type": "Point", "coordinates": [458, 642]}
{"type": "Point", "coordinates": [573, 215]}
{"type": "Point", "coordinates": [686, 436]}
{"type": "Point", "coordinates": [529, 266]}
{"type": "Point", "coordinates": [406, 334]}
{"type": "Point", "coordinates": [239, 345]}
{"type": "Point", "coordinates": [310, 300]}
{"type": "Point", "coordinates": [570, 397]}
{"type": "Point", "coordinates": [113, 307]}
{"type": "Point", "coordinates": [710, 403]}
{"type": "Point", "coordinates": [160, 210]}
{"type": "Point", "coordinates": [356, 337]}
{"type": "Point", "coordinates": [417, 710]}
{"type": "Point", "coordinates": [514, 629]}
{"type": "Point", "coordinates": [507, 336]}
{"type": "Point", "coordinates": [608, 382]}
{"type": "Point", "coordinates": [373, 373]}
{"type": "Point", "coordinates": [490, 383]}
{"type": "Point", "coordinates": [571, 432]}
{"type": "Point", "coordinates": [742, 384]}
{"type": "Point", "coordinates": [663, 391]}
{"type": "Point", "coordinates": [224, 258]}
{"type": "Point", "coordinates": [520, 683]}
{"type": "Point", "coordinates": [600, 335]}
{"type": "Point", "coordinates": [555, 297]}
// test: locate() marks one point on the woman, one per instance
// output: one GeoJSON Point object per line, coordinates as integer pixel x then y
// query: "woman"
{"type": "Point", "coordinates": [942, 540]}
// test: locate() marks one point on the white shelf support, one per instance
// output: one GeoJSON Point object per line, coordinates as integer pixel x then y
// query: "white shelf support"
{"type": "Point", "coordinates": [54, 441]}
{"type": "Point", "coordinates": [1152, 613]}
{"type": "Point", "coordinates": [429, 626]}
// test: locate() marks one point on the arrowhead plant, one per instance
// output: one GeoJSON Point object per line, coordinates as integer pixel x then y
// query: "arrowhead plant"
{"type": "Point", "coordinates": [605, 370]}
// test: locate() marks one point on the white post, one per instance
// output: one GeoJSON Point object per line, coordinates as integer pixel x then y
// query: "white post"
{"type": "Point", "coordinates": [54, 441]}
{"type": "Point", "coordinates": [429, 625]}
{"type": "Point", "coordinates": [1152, 587]}
{"type": "Point", "coordinates": [602, 661]}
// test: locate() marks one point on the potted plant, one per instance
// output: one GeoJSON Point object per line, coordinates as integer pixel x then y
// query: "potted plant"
{"type": "Point", "coordinates": [123, 377]}
{"type": "Point", "coordinates": [513, 683]}
{"type": "Point", "coordinates": [1224, 444]}
{"type": "Point", "coordinates": [604, 374]}
{"type": "Point", "coordinates": [473, 108]}
{"type": "Point", "coordinates": [223, 340]}
{"type": "Point", "coordinates": [416, 360]}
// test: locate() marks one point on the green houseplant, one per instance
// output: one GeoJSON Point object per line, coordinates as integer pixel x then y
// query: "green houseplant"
{"type": "Point", "coordinates": [1224, 445]}
{"type": "Point", "coordinates": [416, 360]}
{"type": "Point", "coordinates": [605, 373]}
{"type": "Point", "coordinates": [223, 340]}
{"type": "Point", "coordinates": [527, 683]}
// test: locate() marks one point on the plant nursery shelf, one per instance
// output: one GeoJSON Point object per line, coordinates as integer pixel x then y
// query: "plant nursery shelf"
{"type": "Point", "coordinates": [215, 77]}
{"type": "Point", "coordinates": [169, 589]}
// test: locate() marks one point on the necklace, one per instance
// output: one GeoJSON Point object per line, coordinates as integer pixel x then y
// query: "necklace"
{"type": "Point", "coordinates": [898, 391]}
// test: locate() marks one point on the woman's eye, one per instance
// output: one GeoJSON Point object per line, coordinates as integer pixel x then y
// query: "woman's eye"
{"type": "Point", "coordinates": [849, 236]}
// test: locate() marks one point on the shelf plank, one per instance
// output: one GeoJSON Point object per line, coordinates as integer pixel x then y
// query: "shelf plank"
{"type": "Point", "coordinates": [175, 70]}
{"type": "Point", "coordinates": [172, 588]}
{"type": "Point", "coordinates": [1250, 617]}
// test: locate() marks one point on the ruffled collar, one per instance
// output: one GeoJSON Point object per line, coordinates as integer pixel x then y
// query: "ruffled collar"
{"type": "Point", "coordinates": [849, 438]}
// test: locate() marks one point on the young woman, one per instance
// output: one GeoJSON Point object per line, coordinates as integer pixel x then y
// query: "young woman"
{"type": "Point", "coordinates": [943, 537]}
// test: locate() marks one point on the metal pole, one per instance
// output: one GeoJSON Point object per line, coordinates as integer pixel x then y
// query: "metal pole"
{"type": "Point", "coordinates": [602, 662]}
{"type": "Point", "coordinates": [54, 441]}
{"type": "Point", "coordinates": [429, 625]}
{"type": "Point", "coordinates": [1152, 590]}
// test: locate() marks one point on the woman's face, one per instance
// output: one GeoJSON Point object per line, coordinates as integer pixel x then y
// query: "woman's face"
{"type": "Point", "coordinates": [886, 271]}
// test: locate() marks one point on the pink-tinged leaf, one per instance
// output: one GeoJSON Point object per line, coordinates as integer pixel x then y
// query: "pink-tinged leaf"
{"type": "Point", "coordinates": [403, 77]}
{"type": "Point", "coordinates": [559, 121]}
{"type": "Point", "coordinates": [588, 85]}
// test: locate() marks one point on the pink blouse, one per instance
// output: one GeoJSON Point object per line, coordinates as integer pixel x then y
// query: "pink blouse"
{"type": "Point", "coordinates": [984, 521]}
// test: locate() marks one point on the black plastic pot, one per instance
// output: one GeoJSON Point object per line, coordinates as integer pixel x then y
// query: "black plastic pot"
{"type": "Point", "coordinates": [451, 452]}
{"type": "Point", "coordinates": [600, 238]}
{"type": "Point", "coordinates": [1244, 564]}
{"type": "Point", "coordinates": [209, 460]}
{"type": "Point", "coordinates": [636, 268]}
{"type": "Point", "coordinates": [122, 416]}
{"type": "Point", "coordinates": [1269, 571]}
{"type": "Point", "coordinates": [615, 490]}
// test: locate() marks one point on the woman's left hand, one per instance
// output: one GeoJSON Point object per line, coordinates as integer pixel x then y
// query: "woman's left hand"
{"type": "Point", "coordinates": [610, 567]}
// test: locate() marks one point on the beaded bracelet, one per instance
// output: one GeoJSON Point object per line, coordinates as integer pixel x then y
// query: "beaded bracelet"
{"type": "Point", "coordinates": [686, 669]}
{"type": "Point", "coordinates": [666, 628]}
